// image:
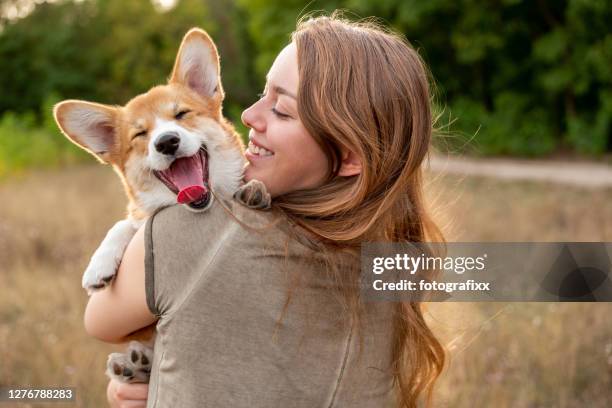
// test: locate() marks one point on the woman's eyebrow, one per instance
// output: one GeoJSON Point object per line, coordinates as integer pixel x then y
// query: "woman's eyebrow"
{"type": "Point", "coordinates": [283, 91]}
{"type": "Point", "coordinates": [280, 90]}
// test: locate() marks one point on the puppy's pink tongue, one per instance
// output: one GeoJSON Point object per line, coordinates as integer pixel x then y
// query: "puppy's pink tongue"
{"type": "Point", "coordinates": [186, 174]}
{"type": "Point", "coordinates": [190, 194]}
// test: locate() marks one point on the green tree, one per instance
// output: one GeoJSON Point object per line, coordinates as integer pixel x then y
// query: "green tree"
{"type": "Point", "coordinates": [524, 77]}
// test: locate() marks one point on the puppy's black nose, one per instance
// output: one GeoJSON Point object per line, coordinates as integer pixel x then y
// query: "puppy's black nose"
{"type": "Point", "coordinates": [168, 143]}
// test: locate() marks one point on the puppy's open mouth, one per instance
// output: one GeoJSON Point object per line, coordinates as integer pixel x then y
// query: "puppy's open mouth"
{"type": "Point", "coordinates": [187, 177]}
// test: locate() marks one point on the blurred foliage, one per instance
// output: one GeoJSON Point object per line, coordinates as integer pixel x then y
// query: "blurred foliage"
{"type": "Point", "coordinates": [26, 141]}
{"type": "Point", "coordinates": [515, 77]}
{"type": "Point", "coordinates": [523, 77]}
{"type": "Point", "coordinates": [105, 51]}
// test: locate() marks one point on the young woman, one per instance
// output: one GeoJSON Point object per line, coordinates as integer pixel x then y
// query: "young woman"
{"type": "Point", "coordinates": [255, 319]}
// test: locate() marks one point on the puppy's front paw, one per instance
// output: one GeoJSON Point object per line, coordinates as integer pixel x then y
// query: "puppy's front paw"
{"type": "Point", "coordinates": [106, 259]}
{"type": "Point", "coordinates": [98, 275]}
{"type": "Point", "coordinates": [133, 366]}
{"type": "Point", "coordinates": [254, 195]}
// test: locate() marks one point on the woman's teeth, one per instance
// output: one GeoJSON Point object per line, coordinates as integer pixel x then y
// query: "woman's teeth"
{"type": "Point", "coordinates": [259, 151]}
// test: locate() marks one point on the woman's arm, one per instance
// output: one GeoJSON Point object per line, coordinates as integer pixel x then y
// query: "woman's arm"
{"type": "Point", "coordinates": [121, 308]}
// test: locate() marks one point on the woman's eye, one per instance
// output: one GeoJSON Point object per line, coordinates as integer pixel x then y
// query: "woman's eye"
{"type": "Point", "coordinates": [280, 114]}
{"type": "Point", "coordinates": [142, 133]}
{"type": "Point", "coordinates": [180, 115]}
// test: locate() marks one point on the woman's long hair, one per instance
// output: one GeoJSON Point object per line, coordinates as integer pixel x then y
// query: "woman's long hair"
{"type": "Point", "coordinates": [366, 89]}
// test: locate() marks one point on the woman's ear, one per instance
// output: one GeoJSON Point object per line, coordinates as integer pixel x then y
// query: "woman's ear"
{"type": "Point", "coordinates": [350, 165]}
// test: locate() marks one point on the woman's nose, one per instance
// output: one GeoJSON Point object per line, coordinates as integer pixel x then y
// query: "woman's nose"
{"type": "Point", "coordinates": [251, 119]}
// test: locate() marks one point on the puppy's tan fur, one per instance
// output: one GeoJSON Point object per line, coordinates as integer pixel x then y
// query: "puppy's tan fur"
{"type": "Point", "coordinates": [125, 137]}
{"type": "Point", "coordinates": [120, 124]}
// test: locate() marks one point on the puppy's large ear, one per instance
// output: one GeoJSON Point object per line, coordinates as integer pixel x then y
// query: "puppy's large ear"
{"type": "Point", "coordinates": [91, 126]}
{"type": "Point", "coordinates": [197, 64]}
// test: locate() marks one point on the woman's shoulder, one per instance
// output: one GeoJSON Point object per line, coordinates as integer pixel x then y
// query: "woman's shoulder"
{"type": "Point", "coordinates": [221, 209]}
{"type": "Point", "coordinates": [232, 219]}
{"type": "Point", "coordinates": [274, 222]}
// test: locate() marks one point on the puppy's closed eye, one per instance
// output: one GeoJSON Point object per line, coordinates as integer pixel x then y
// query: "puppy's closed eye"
{"type": "Point", "coordinates": [181, 114]}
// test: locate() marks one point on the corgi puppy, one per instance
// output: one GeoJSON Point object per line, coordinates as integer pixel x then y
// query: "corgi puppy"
{"type": "Point", "coordinates": [169, 145]}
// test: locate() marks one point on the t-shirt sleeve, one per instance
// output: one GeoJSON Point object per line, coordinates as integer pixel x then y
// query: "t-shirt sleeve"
{"type": "Point", "coordinates": [149, 277]}
{"type": "Point", "coordinates": [179, 245]}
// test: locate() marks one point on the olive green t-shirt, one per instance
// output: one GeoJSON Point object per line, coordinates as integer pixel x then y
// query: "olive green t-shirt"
{"type": "Point", "coordinates": [219, 289]}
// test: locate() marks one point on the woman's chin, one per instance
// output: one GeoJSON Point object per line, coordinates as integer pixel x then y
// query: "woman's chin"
{"type": "Point", "coordinates": [252, 173]}
{"type": "Point", "coordinates": [248, 172]}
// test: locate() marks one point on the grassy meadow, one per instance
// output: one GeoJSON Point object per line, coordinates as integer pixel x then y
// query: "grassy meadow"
{"type": "Point", "coordinates": [500, 355]}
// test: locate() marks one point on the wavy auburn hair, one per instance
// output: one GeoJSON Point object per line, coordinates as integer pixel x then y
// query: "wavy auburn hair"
{"type": "Point", "coordinates": [366, 89]}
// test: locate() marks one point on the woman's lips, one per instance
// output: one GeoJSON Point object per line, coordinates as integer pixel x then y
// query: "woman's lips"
{"type": "Point", "coordinates": [257, 152]}
{"type": "Point", "coordinates": [257, 143]}
{"type": "Point", "coordinates": [251, 157]}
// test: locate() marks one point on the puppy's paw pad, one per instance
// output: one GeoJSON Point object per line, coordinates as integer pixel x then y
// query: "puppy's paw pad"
{"type": "Point", "coordinates": [254, 195]}
{"type": "Point", "coordinates": [133, 366]}
{"type": "Point", "coordinates": [118, 367]}
{"type": "Point", "coordinates": [140, 356]}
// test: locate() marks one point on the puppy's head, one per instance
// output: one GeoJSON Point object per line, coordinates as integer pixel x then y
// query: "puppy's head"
{"type": "Point", "coordinates": [170, 144]}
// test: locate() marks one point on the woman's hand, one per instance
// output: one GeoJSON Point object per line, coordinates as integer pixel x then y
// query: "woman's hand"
{"type": "Point", "coordinates": [122, 395]}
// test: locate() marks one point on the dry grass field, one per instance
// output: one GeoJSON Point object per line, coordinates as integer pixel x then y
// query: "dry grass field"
{"type": "Point", "coordinates": [500, 355]}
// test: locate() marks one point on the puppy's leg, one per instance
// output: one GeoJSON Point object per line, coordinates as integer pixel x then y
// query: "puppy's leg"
{"type": "Point", "coordinates": [132, 366]}
{"type": "Point", "coordinates": [104, 262]}
{"type": "Point", "coordinates": [254, 195]}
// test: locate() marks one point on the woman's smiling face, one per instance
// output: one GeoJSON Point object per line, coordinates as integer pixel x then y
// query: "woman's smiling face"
{"type": "Point", "coordinates": [281, 152]}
